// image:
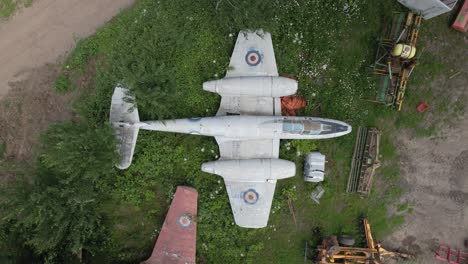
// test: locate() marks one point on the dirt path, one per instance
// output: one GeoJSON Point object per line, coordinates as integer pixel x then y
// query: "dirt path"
{"type": "Point", "coordinates": [31, 44]}
{"type": "Point", "coordinates": [41, 33]}
{"type": "Point", "coordinates": [434, 172]}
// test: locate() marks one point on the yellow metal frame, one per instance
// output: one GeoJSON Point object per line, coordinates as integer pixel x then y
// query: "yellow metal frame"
{"type": "Point", "coordinates": [374, 251]}
{"type": "Point", "coordinates": [411, 26]}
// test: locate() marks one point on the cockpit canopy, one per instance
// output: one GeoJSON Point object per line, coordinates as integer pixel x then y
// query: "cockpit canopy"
{"type": "Point", "coordinates": [305, 127]}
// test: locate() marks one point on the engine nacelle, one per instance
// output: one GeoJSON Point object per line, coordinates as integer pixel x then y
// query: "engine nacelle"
{"type": "Point", "coordinates": [265, 86]}
{"type": "Point", "coordinates": [251, 170]}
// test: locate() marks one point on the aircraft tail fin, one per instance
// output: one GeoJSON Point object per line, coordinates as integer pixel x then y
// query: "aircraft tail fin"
{"type": "Point", "coordinates": [124, 120]}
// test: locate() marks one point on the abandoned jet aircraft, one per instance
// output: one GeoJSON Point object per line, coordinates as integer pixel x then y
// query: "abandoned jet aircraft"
{"type": "Point", "coordinates": [247, 127]}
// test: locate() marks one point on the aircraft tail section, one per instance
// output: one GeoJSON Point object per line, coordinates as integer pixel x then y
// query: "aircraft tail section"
{"type": "Point", "coordinates": [124, 120]}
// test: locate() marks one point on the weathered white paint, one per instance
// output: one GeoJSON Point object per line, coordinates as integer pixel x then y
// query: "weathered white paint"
{"type": "Point", "coordinates": [314, 167]}
{"type": "Point", "coordinates": [263, 86]}
{"type": "Point", "coordinates": [251, 170]}
{"type": "Point", "coordinates": [253, 127]}
{"type": "Point", "coordinates": [247, 127]}
{"type": "Point", "coordinates": [429, 8]}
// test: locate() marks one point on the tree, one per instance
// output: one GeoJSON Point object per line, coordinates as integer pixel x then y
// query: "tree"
{"type": "Point", "coordinates": [56, 212]}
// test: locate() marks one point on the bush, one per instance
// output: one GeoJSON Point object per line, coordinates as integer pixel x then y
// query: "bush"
{"type": "Point", "coordinates": [56, 212]}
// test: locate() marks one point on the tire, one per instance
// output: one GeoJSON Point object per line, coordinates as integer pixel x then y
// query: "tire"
{"type": "Point", "coordinates": [346, 240]}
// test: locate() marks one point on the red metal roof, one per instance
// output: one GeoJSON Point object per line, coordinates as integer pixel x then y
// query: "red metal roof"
{"type": "Point", "coordinates": [176, 243]}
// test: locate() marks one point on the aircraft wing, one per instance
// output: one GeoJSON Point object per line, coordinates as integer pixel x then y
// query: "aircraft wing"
{"type": "Point", "coordinates": [250, 201]}
{"type": "Point", "coordinates": [249, 105]}
{"type": "Point", "coordinates": [253, 55]}
{"type": "Point", "coordinates": [123, 112]}
{"type": "Point", "coordinates": [176, 243]}
{"type": "Point", "coordinates": [248, 149]}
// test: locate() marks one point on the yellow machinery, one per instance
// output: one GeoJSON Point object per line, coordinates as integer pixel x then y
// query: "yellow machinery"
{"type": "Point", "coordinates": [331, 252]}
{"type": "Point", "coordinates": [396, 58]}
{"type": "Point", "coordinates": [404, 51]}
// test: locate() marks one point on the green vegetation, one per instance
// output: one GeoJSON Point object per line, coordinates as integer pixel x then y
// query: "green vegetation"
{"type": "Point", "coordinates": [77, 206]}
{"type": "Point", "coordinates": [62, 84]}
{"type": "Point", "coordinates": [403, 207]}
{"type": "Point", "coordinates": [2, 150]}
{"type": "Point", "coordinates": [8, 7]}
{"type": "Point", "coordinates": [55, 212]}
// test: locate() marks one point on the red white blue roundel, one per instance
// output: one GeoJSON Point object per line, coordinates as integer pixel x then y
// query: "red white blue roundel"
{"type": "Point", "coordinates": [250, 196]}
{"type": "Point", "coordinates": [184, 220]}
{"type": "Point", "coordinates": [253, 58]}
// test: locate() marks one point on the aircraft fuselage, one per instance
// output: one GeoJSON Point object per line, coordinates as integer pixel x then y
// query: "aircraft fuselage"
{"type": "Point", "coordinates": [253, 127]}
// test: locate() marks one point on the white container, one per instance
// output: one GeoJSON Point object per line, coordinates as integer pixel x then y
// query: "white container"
{"type": "Point", "coordinates": [314, 167]}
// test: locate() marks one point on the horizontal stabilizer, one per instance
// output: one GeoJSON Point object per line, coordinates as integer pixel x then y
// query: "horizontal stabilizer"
{"type": "Point", "coordinates": [124, 120]}
{"type": "Point", "coordinates": [122, 110]}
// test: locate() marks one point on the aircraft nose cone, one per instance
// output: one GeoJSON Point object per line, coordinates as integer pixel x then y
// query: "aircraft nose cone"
{"type": "Point", "coordinates": [344, 128]}
{"type": "Point", "coordinates": [208, 167]}
{"type": "Point", "coordinates": [210, 86]}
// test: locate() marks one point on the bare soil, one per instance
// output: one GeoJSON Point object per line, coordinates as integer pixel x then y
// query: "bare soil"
{"type": "Point", "coordinates": [434, 170]}
{"type": "Point", "coordinates": [31, 45]}
{"type": "Point", "coordinates": [29, 108]}
{"type": "Point", "coordinates": [45, 31]}
{"type": "Point", "coordinates": [435, 180]}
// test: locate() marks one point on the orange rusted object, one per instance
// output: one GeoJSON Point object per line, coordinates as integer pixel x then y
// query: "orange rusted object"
{"type": "Point", "coordinates": [422, 107]}
{"type": "Point", "coordinates": [289, 105]}
{"type": "Point", "coordinates": [461, 22]}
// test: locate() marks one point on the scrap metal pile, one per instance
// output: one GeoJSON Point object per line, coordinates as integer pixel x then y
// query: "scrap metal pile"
{"type": "Point", "coordinates": [330, 251]}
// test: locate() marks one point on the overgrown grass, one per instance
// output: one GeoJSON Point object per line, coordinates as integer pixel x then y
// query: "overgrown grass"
{"type": "Point", "coordinates": [164, 50]}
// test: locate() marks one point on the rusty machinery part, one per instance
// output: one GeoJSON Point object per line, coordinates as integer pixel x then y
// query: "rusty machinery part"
{"type": "Point", "coordinates": [365, 160]}
{"type": "Point", "coordinates": [451, 255]}
{"type": "Point", "coordinates": [331, 252]}
{"type": "Point", "coordinates": [346, 240]}
{"type": "Point", "coordinates": [396, 58]}
{"type": "Point", "coordinates": [461, 21]}
{"type": "Point", "coordinates": [331, 244]}
{"type": "Point", "coordinates": [289, 104]}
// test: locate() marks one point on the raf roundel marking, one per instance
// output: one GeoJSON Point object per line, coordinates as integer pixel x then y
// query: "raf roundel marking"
{"type": "Point", "coordinates": [184, 220]}
{"type": "Point", "coordinates": [250, 196]}
{"type": "Point", "coordinates": [253, 58]}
